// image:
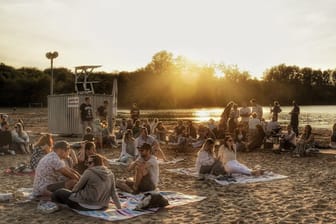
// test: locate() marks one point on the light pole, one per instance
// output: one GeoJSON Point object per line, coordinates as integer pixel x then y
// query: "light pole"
{"type": "Point", "coordinates": [51, 56]}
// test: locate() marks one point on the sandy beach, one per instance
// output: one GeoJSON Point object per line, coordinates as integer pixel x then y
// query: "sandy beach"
{"type": "Point", "coordinates": [306, 196]}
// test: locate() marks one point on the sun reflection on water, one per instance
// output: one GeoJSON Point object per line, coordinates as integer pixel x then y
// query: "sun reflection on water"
{"type": "Point", "coordinates": [202, 115]}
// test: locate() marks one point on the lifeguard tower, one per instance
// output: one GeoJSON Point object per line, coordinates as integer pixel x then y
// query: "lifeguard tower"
{"type": "Point", "coordinates": [63, 109]}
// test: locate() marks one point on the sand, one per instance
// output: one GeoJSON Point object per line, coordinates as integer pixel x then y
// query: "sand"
{"type": "Point", "coordinates": [307, 196]}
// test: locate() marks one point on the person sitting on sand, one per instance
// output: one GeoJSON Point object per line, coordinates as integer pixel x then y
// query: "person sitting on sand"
{"type": "Point", "coordinates": [87, 149]}
{"type": "Point", "coordinates": [145, 138]}
{"type": "Point", "coordinates": [153, 123]}
{"type": "Point", "coordinates": [228, 156]}
{"type": "Point", "coordinates": [93, 190]}
{"type": "Point", "coordinates": [136, 129]}
{"type": "Point", "coordinates": [305, 142]}
{"type": "Point", "coordinates": [41, 148]}
{"type": "Point", "coordinates": [240, 137]}
{"type": "Point", "coordinates": [128, 150]}
{"type": "Point", "coordinates": [203, 134]}
{"type": "Point", "coordinates": [51, 169]}
{"type": "Point", "coordinates": [89, 136]}
{"type": "Point", "coordinates": [191, 130]}
{"type": "Point", "coordinates": [20, 139]}
{"type": "Point", "coordinates": [160, 132]}
{"type": "Point", "coordinates": [178, 131]}
{"type": "Point", "coordinates": [206, 162]}
{"type": "Point", "coordinates": [257, 140]}
{"type": "Point", "coordinates": [333, 138]}
{"type": "Point", "coordinates": [5, 139]}
{"type": "Point", "coordinates": [288, 140]}
{"type": "Point", "coordinates": [146, 177]}
{"type": "Point", "coordinates": [273, 127]}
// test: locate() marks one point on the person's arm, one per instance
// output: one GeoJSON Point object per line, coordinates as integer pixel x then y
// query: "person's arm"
{"type": "Point", "coordinates": [73, 156]}
{"type": "Point", "coordinates": [82, 181]}
{"type": "Point", "coordinates": [113, 194]}
{"type": "Point", "coordinates": [123, 149]}
{"type": "Point", "coordinates": [67, 172]}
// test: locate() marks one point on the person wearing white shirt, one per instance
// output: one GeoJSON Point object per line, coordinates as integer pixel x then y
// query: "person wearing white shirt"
{"type": "Point", "coordinates": [288, 140]}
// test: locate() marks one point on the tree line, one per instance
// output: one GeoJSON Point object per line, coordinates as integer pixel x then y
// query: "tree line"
{"type": "Point", "coordinates": [175, 82]}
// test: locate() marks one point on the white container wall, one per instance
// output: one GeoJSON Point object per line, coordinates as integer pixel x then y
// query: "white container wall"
{"type": "Point", "coordinates": [64, 114]}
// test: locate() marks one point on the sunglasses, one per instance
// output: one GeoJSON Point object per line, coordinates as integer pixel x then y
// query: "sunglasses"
{"type": "Point", "coordinates": [230, 140]}
{"type": "Point", "coordinates": [89, 162]}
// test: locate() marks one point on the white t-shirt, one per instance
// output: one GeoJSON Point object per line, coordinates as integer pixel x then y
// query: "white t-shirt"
{"type": "Point", "coordinates": [46, 172]}
{"type": "Point", "coordinates": [153, 169]}
{"type": "Point", "coordinates": [203, 159]}
{"type": "Point", "coordinates": [244, 113]}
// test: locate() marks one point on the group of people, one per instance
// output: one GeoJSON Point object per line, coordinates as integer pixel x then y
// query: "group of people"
{"type": "Point", "coordinates": [89, 184]}
{"type": "Point", "coordinates": [14, 140]}
{"type": "Point", "coordinates": [83, 181]}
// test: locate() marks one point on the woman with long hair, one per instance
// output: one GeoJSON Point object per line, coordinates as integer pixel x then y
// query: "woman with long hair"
{"type": "Point", "coordinates": [306, 141]}
{"type": "Point", "coordinates": [228, 156]}
{"type": "Point", "coordinates": [128, 149]}
{"type": "Point", "coordinates": [20, 138]}
{"type": "Point", "coordinates": [41, 148]}
{"type": "Point", "coordinates": [206, 162]}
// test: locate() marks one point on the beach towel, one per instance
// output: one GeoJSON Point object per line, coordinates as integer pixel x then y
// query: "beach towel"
{"type": "Point", "coordinates": [234, 179]}
{"type": "Point", "coordinates": [129, 202]}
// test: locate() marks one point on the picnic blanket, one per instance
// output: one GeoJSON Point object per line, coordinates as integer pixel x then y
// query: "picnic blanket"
{"type": "Point", "coordinates": [173, 161]}
{"type": "Point", "coordinates": [129, 201]}
{"type": "Point", "coordinates": [235, 179]}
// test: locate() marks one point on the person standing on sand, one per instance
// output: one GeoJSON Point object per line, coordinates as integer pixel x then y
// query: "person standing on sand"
{"type": "Point", "coordinates": [294, 119]}
{"type": "Point", "coordinates": [135, 112]}
{"type": "Point", "coordinates": [275, 110]}
{"type": "Point", "coordinates": [51, 170]}
{"type": "Point", "coordinates": [256, 108]}
{"type": "Point", "coordinates": [102, 111]}
{"type": "Point", "coordinates": [86, 114]}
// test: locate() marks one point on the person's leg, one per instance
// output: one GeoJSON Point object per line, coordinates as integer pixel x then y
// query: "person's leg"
{"type": "Point", "coordinates": [61, 195]}
{"type": "Point", "coordinates": [234, 166]}
{"type": "Point", "coordinates": [140, 172]}
{"type": "Point", "coordinates": [125, 186]}
{"type": "Point", "coordinates": [146, 184]}
{"type": "Point", "coordinates": [217, 168]}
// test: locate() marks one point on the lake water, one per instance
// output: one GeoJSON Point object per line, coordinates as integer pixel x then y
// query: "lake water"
{"type": "Point", "coordinates": [317, 116]}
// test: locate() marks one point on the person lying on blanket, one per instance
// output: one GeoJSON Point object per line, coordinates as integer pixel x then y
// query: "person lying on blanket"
{"type": "Point", "coordinates": [51, 172]}
{"type": "Point", "coordinates": [146, 175]}
{"type": "Point", "coordinates": [93, 190]}
{"type": "Point", "coordinates": [227, 155]}
{"type": "Point", "coordinates": [206, 162]}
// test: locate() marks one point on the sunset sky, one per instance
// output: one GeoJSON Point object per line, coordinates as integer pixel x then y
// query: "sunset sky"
{"type": "Point", "coordinates": [123, 35]}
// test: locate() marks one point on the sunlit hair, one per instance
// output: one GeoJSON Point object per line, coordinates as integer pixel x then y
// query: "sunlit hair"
{"type": "Point", "coordinates": [45, 140]}
{"type": "Point", "coordinates": [97, 159]}
{"type": "Point", "coordinates": [19, 128]}
{"type": "Point", "coordinates": [228, 137]}
{"type": "Point", "coordinates": [208, 145]}
{"type": "Point", "coordinates": [90, 146]}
